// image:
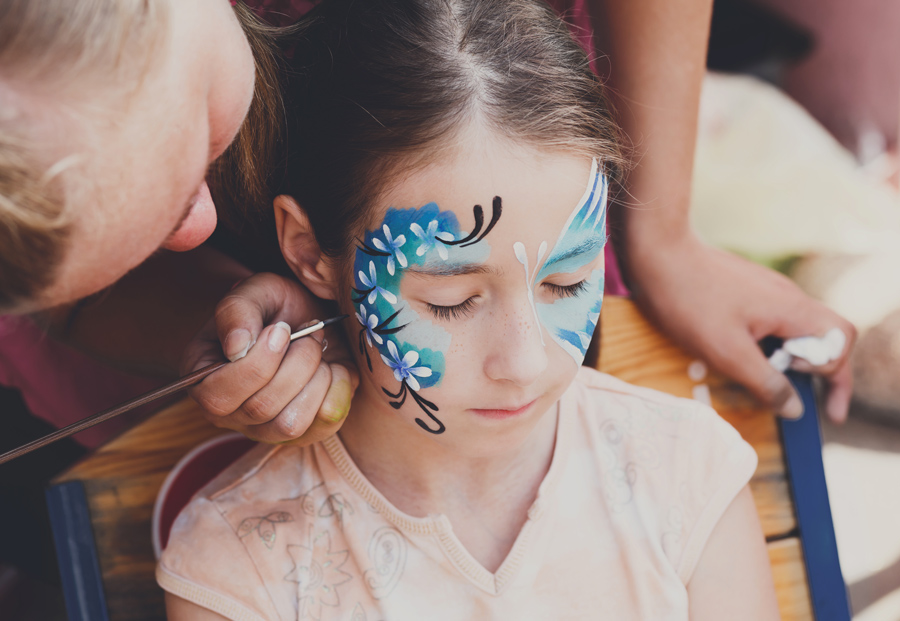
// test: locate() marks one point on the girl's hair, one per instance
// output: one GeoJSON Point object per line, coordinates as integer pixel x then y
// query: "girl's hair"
{"type": "Point", "coordinates": [382, 86]}
{"type": "Point", "coordinates": [50, 45]}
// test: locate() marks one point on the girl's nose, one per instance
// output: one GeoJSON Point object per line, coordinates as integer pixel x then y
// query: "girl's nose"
{"type": "Point", "coordinates": [518, 354]}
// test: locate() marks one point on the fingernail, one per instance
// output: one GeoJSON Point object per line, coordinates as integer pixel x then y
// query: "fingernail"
{"type": "Point", "coordinates": [279, 337]}
{"type": "Point", "coordinates": [237, 344]}
{"type": "Point", "coordinates": [793, 408]}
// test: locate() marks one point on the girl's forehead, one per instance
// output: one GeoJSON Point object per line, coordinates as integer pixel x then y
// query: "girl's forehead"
{"type": "Point", "coordinates": [537, 190]}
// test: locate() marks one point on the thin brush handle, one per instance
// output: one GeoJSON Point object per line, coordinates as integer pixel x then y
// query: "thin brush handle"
{"type": "Point", "coordinates": [164, 391]}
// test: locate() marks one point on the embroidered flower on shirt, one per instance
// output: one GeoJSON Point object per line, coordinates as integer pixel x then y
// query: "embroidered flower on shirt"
{"type": "Point", "coordinates": [336, 504]}
{"type": "Point", "coordinates": [317, 572]}
{"type": "Point", "coordinates": [264, 526]}
{"type": "Point", "coordinates": [387, 551]}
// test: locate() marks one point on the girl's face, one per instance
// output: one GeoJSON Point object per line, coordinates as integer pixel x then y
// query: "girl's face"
{"type": "Point", "coordinates": [137, 181]}
{"type": "Point", "coordinates": [476, 291]}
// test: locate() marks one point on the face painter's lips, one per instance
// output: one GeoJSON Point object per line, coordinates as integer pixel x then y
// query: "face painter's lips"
{"type": "Point", "coordinates": [502, 413]}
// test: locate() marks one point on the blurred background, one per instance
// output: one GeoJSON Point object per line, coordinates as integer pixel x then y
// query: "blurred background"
{"type": "Point", "coordinates": [797, 168]}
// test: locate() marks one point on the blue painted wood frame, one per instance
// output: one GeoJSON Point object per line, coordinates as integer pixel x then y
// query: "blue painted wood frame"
{"type": "Point", "coordinates": [802, 441]}
{"type": "Point", "coordinates": [76, 552]}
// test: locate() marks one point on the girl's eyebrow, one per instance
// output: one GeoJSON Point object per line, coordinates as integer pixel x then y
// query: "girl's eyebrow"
{"type": "Point", "coordinates": [588, 246]}
{"type": "Point", "coordinates": [441, 270]}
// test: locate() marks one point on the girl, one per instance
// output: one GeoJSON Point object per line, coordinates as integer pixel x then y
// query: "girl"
{"type": "Point", "coordinates": [447, 188]}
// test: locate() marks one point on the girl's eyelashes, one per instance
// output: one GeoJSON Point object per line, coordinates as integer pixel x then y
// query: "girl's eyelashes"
{"type": "Point", "coordinates": [566, 291]}
{"type": "Point", "coordinates": [458, 311]}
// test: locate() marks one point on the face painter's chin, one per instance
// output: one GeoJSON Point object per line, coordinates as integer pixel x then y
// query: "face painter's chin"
{"type": "Point", "coordinates": [506, 412]}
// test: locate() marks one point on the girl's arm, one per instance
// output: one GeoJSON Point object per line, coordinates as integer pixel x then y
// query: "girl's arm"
{"type": "Point", "coordinates": [178, 609]}
{"type": "Point", "coordinates": [733, 578]}
{"type": "Point", "coordinates": [713, 304]}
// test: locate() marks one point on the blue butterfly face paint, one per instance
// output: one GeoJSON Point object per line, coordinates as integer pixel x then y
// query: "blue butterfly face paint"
{"type": "Point", "coordinates": [570, 321]}
{"type": "Point", "coordinates": [413, 348]}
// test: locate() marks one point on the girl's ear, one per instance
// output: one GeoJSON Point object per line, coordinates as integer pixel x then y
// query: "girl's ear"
{"type": "Point", "coordinates": [301, 250]}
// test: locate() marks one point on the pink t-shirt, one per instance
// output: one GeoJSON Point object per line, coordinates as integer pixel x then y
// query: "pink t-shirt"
{"type": "Point", "coordinates": [637, 483]}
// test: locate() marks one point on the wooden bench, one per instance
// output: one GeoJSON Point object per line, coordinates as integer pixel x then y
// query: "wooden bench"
{"type": "Point", "coordinates": [101, 508]}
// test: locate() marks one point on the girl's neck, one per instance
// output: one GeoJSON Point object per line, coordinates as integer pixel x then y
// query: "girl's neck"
{"type": "Point", "coordinates": [420, 476]}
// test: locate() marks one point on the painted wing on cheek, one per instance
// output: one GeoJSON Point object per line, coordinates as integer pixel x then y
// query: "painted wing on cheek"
{"type": "Point", "coordinates": [571, 321]}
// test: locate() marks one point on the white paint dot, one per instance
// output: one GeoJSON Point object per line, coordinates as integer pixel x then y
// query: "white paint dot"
{"type": "Point", "coordinates": [697, 370]}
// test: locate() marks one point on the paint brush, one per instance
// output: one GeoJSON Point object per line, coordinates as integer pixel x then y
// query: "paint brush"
{"type": "Point", "coordinates": [153, 395]}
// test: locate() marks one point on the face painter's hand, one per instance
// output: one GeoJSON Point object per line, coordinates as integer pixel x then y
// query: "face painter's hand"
{"type": "Point", "coordinates": [273, 391]}
{"type": "Point", "coordinates": [718, 306]}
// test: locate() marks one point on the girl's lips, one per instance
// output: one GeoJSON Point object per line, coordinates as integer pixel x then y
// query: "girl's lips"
{"type": "Point", "coordinates": [504, 413]}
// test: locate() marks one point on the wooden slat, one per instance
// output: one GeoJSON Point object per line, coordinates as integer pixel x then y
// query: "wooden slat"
{"type": "Point", "coordinates": [633, 350]}
{"type": "Point", "coordinates": [121, 481]}
{"type": "Point", "coordinates": [786, 557]}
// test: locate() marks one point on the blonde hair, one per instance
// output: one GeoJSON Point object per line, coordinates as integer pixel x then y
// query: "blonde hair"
{"type": "Point", "coordinates": [100, 45]}
{"type": "Point", "coordinates": [45, 47]}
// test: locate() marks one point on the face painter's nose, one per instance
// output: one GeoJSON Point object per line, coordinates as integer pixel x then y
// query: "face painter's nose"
{"type": "Point", "coordinates": [197, 226]}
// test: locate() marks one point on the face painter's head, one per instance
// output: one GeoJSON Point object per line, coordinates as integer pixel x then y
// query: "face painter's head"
{"type": "Point", "coordinates": [386, 92]}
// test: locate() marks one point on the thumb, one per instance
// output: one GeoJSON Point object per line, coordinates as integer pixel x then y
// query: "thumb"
{"type": "Point", "coordinates": [747, 364]}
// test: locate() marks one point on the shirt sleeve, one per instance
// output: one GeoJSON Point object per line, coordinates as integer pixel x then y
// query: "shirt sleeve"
{"type": "Point", "coordinates": [206, 563]}
{"type": "Point", "coordinates": [711, 465]}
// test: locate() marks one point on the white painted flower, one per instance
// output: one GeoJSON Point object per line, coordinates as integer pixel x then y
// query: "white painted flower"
{"type": "Point", "coordinates": [404, 368]}
{"type": "Point", "coordinates": [393, 247]}
{"type": "Point", "coordinates": [369, 322]}
{"type": "Point", "coordinates": [370, 282]}
{"type": "Point", "coordinates": [430, 239]}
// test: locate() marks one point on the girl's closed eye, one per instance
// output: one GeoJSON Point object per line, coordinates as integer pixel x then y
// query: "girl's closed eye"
{"type": "Point", "coordinates": [457, 311]}
{"type": "Point", "coordinates": [566, 291]}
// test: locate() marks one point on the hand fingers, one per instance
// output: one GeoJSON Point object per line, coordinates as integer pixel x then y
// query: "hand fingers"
{"type": "Point", "coordinates": [224, 391]}
{"type": "Point", "coordinates": [744, 361]}
{"type": "Point", "coordinates": [335, 407]}
{"type": "Point", "coordinates": [840, 391]}
{"type": "Point", "coordinates": [202, 351]}
{"type": "Point", "coordinates": [296, 369]}
{"type": "Point", "coordinates": [298, 415]}
{"type": "Point", "coordinates": [256, 302]}
{"type": "Point", "coordinates": [816, 321]}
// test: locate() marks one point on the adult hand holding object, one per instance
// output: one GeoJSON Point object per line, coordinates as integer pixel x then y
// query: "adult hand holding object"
{"type": "Point", "coordinates": [273, 391]}
{"type": "Point", "coordinates": [712, 303]}
{"type": "Point", "coordinates": [719, 306]}
{"type": "Point", "coordinates": [150, 94]}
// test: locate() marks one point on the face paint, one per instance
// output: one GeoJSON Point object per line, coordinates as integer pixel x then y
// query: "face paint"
{"type": "Point", "coordinates": [411, 347]}
{"type": "Point", "coordinates": [571, 321]}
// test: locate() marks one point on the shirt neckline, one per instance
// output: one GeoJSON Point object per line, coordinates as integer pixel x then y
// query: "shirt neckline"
{"type": "Point", "coordinates": [439, 525]}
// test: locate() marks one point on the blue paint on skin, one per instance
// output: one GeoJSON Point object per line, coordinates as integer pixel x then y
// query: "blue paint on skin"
{"type": "Point", "coordinates": [571, 321]}
{"type": "Point", "coordinates": [407, 238]}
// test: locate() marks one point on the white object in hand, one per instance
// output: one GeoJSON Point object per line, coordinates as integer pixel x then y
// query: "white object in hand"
{"type": "Point", "coordinates": [816, 350]}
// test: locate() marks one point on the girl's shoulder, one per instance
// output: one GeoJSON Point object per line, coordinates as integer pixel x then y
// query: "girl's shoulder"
{"type": "Point", "coordinates": [601, 402]}
{"type": "Point", "coordinates": [593, 384]}
{"type": "Point", "coordinates": [669, 464]}
{"type": "Point", "coordinates": [230, 543]}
